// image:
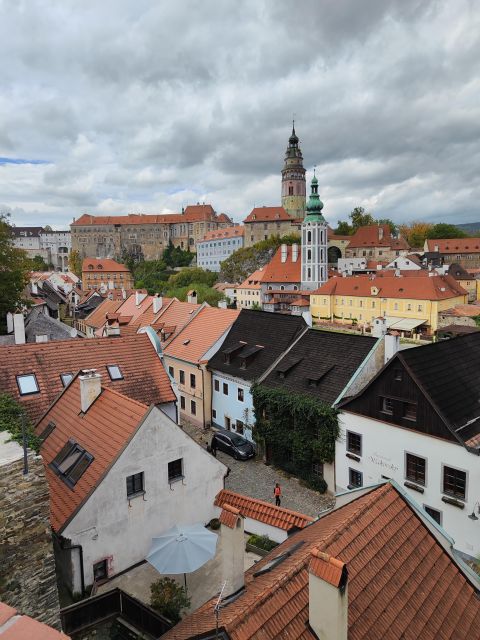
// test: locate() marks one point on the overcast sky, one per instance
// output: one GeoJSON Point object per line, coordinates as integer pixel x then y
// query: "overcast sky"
{"type": "Point", "coordinates": [119, 106]}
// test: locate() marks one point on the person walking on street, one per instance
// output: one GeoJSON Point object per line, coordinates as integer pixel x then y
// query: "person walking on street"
{"type": "Point", "coordinates": [277, 492]}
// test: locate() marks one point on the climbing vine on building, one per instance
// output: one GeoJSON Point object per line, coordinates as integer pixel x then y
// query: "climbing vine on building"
{"type": "Point", "coordinates": [298, 430]}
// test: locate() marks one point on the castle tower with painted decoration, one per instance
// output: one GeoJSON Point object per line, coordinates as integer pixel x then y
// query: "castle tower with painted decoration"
{"type": "Point", "coordinates": [314, 242]}
{"type": "Point", "coordinates": [293, 179]}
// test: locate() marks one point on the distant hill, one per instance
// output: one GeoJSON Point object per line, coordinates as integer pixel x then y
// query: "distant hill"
{"type": "Point", "coordinates": [469, 227]}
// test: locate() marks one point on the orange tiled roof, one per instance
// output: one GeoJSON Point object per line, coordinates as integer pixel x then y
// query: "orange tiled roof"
{"type": "Point", "coordinates": [144, 377]}
{"type": "Point", "coordinates": [14, 626]}
{"type": "Point", "coordinates": [267, 214]}
{"type": "Point", "coordinates": [193, 213]}
{"type": "Point", "coordinates": [104, 431]}
{"type": "Point", "coordinates": [402, 583]}
{"type": "Point", "coordinates": [97, 265]}
{"type": "Point", "coordinates": [222, 217]}
{"type": "Point", "coordinates": [97, 318]}
{"type": "Point", "coordinates": [201, 333]}
{"type": "Point", "coordinates": [325, 567]}
{"type": "Point", "coordinates": [253, 281]}
{"type": "Point", "coordinates": [463, 310]}
{"type": "Point", "coordinates": [229, 516]}
{"type": "Point", "coordinates": [376, 235]}
{"type": "Point", "coordinates": [262, 511]}
{"type": "Point", "coordinates": [455, 245]}
{"type": "Point", "coordinates": [175, 316]}
{"type": "Point", "coordinates": [278, 271]}
{"type": "Point", "coordinates": [226, 232]}
{"type": "Point", "coordinates": [390, 286]}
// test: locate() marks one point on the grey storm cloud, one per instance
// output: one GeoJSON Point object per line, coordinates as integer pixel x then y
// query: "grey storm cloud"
{"type": "Point", "coordinates": [149, 106]}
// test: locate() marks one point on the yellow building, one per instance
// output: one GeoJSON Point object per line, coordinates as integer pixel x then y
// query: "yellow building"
{"type": "Point", "coordinates": [186, 358]}
{"type": "Point", "coordinates": [414, 296]}
{"type": "Point", "coordinates": [249, 292]}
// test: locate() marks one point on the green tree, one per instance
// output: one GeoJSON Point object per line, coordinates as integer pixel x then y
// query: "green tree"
{"type": "Point", "coordinates": [12, 418]}
{"type": "Point", "coordinates": [415, 232]}
{"type": "Point", "coordinates": [169, 598]}
{"type": "Point", "coordinates": [245, 261]}
{"type": "Point", "coordinates": [37, 263]}
{"type": "Point", "coordinates": [443, 230]}
{"type": "Point", "coordinates": [343, 229]}
{"type": "Point", "coordinates": [391, 224]}
{"type": "Point", "coordinates": [360, 219]}
{"type": "Point", "coordinates": [14, 270]}
{"type": "Point", "coordinates": [192, 275]}
{"type": "Point", "coordinates": [204, 293]}
{"type": "Point", "coordinates": [177, 257]}
{"type": "Point", "coordinates": [75, 263]}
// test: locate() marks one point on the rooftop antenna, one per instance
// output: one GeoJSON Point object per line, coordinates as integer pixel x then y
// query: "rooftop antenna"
{"type": "Point", "coordinates": [218, 606]}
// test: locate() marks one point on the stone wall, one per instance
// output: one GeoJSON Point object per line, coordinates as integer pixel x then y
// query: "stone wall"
{"type": "Point", "coordinates": [27, 565]}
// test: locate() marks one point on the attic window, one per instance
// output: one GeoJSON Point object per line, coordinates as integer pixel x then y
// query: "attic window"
{"type": "Point", "coordinates": [90, 266]}
{"type": "Point", "coordinates": [114, 372]}
{"type": "Point", "coordinates": [51, 426]}
{"type": "Point", "coordinates": [66, 378]}
{"type": "Point", "coordinates": [99, 266]}
{"type": "Point", "coordinates": [71, 463]}
{"type": "Point", "coordinates": [27, 384]}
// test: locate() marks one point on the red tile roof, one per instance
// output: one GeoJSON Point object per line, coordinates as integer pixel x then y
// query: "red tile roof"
{"type": "Point", "coordinates": [14, 626]}
{"type": "Point", "coordinates": [201, 333]}
{"type": "Point", "coordinates": [144, 376]}
{"type": "Point", "coordinates": [267, 214]}
{"type": "Point", "coordinates": [96, 265]}
{"type": "Point", "coordinates": [226, 232]}
{"type": "Point", "coordinates": [389, 286]}
{"type": "Point", "coordinates": [262, 511]}
{"type": "Point", "coordinates": [325, 567]}
{"type": "Point", "coordinates": [253, 281]}
{"type": "Point", "coordinates": [402, 583]}
{"type": "Point", "coordinates": [463, 310]}
{"type": "Point", "coordinates": [98, 316]}
{"type": "Point", "coordinates": [377, 235]}
{"type": "Point", "coordinates": [229, 516]}
{"type": "Point", "coordinates": [104, 431]}
{"type": "Point", "coordinates": [278, 271]}
{"type": "Point", "coordinates": [455, 245]}
{"type": "Point", "coordinates": [193, 213]}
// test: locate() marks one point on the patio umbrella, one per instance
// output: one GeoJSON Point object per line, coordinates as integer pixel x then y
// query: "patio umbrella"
{"type": "Point", "coordinates": [182, 549]}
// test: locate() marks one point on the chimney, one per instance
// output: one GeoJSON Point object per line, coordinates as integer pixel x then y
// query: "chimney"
{"type": "Point", "coordinates": [435, 248]}
{"type": "Point", "coordinates": [19, 328]}
{"type": "Point", "coordinates": [294, 252]}
{"type": "Point", "coordinates": [328, 596]}
{"type": "Point", "coordinates": [90, 388]}
{"type": "Point", "coordinates": [283, 254]}
{"type": "Point", "coordinates": [192, 296]}
{"type": "Point", "coordinates": [379, 328]}
{"type": "Point", "coordinates": [42, 338]}
{"type": "Point", "coordinates": [232, 545]}
{"type": "Point", "coordinates": [139, 297]}
{"type": "Point", "coordinates": [380, 233]}
{"type": "Point", "coordinates": [392, 345]}
{"type": "Point", "coordinates": [222, 304]}
{"type": "Point", "coordinates": [124, 294]}
{"type": "Point", "coordinates": [9, 322]}
{"type": "Point", "coordinates": [157, 303]}
{"type": "Point", "coordinates": [112, 327]}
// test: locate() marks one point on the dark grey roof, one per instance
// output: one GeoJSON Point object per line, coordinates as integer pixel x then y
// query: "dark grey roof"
{"type": "Point", "coordinates": [255, 340]}
{"type": "Point", "coordinates": [39, 324]}
{"type": "Point", "coordinates": [27, 232]}
{"type": "Point", "coordinates": [320, 364]}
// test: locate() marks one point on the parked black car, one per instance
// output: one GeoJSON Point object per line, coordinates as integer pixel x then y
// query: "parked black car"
{"type": "Point", "coordinates": [233, 444]}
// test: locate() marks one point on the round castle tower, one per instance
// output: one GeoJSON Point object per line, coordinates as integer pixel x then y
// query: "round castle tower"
{"type": "Point", "coordinates": [293, 179]}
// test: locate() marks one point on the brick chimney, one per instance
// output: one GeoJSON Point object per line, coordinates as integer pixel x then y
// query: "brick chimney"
{"type": "Point", "coordinates": [157, 303]}
{"type": "Point", "coordinates": [328, 596]}
{"type": "Point", "coordinates": [112, 326]}
{"type": "Point", "coordinates": [283, 252]}
{"type": "Point", "coordinates": [232, 546]}
{"type": "Point", "coordinates": [380, 233]}
{"type": "Point", "coordinates": [192, 296]}
{"type": "Point", "coordinates": [90, 388]}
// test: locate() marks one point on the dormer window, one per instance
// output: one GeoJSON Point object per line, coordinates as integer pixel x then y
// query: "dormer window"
{"type": "Point", "coordinates": [71, 463]}
{"type": "Point", "coordinates": [27, 384]}
{"type": "Point", "coordinates": [114, 372]}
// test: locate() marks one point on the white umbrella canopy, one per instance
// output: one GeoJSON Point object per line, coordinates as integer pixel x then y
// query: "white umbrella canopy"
{"type": "Point", "coordinates": [182, 549]}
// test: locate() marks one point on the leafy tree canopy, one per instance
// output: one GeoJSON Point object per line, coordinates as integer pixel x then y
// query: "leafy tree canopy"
{"type": "Point", "coordinates": [343, 229]}
{"type": "Point", "coordinates": [37, 263]}
{"type": "Point", "coordinates": [75, 263]}
{"type": "Point", "coordinates": [168, 598]}
{"type": "Point", "coordinates": [14, 270]}
{"type": "Point", "coordinates": [359, 218]}
{"type": "Point", "coordinates": [443, 230]}
{"type": "Point", "coordinates": [177, 257]}
{"type": "Point", "coordinates": [415, 232]}
{"type": "Point", "coordinates": [193, 275]}
{"type": "Point", "coordinates": [12, 414]}
{"type": "Point", "coordinates": [245, 261]}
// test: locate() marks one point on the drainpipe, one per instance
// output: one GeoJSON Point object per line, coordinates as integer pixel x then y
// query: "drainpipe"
{"type": "Point", "coordinates": [78, 547]}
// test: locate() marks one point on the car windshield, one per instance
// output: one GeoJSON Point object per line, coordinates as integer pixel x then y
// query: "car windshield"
{"type": "Point", "coordinates": [238, 440]}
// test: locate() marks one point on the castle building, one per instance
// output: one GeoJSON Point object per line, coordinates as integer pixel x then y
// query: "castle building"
{"type": "Point", "coordinates": [314, 242]}
{"type": "Point", "coordinates": [293, 179]}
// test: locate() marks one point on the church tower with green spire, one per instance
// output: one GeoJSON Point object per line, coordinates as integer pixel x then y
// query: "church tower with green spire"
{"type": "Point", "coordinates": [314, 242]}
{"type": "Point", "coordinates": [293, 179]}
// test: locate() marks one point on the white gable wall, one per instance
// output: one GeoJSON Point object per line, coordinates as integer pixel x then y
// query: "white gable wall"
{"type": "Point", "coordinates": [110, 526]}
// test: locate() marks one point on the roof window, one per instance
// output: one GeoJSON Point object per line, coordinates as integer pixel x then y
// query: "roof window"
{"type": "Point", "coordinates": [278, 560]}
{"type": "Point", "coordinates": [66, 378]}
{"type": "Point", "coordinates": [114, 372]}
{"type": "Point", "coordinates": [71, 463]}
{"type": "Point", "coordinates": [27, 384]}
{"type": "Point", "coordinates": [187, 341]}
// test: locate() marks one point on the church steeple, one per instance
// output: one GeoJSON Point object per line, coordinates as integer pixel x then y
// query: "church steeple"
{"type": "Point", "coordinates": [293, 178]}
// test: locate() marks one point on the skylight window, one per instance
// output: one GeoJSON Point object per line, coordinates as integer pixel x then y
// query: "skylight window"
{"type": "Point", "coordinates": [71, 463]}
{"type": "Point", "coordinates": [114, 372]}
{"type": "Point", "coordinates": [186, 341]}
{"type": "Point", "coordinates": [66, 378]}
{"type": "Point", "coordinates": [27, 384]}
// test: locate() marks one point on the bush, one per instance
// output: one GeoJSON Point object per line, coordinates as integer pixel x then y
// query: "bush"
{"type": "Point", "coordinates": [168, 598]}
{"type": "Point", "coordinates": [262, 542]}
{"type": "Point", "coordinates": [11, 416]}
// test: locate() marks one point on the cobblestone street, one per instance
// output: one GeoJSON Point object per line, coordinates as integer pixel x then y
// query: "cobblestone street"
{"type": "Point", "coordinates": [256, 479]}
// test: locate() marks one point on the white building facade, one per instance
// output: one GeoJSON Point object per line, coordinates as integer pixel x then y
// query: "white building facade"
{"type": "Point", "coordinates": [113, 528]}
{"type": "Point", "coordinates": [217, 246]}
{"type": "Point", "coordinates": [369, 451]}
{"type": "Point", "coordinates": [232, 404]}
{"type": "Point", "coordinates": [314, 243]}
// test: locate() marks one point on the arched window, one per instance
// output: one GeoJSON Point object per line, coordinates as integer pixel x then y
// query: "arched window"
{"type": "Point", "coordinates": [290, 191]}
{"type": "Point", "coordinates": [309, 273]}
{"type": "Point", "coordinates": [309, 254]}
{"type": "Point", "coordinates": [309, 236]}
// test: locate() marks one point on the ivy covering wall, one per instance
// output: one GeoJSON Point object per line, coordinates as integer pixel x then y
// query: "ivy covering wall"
{"type": "Point", "coordinates": [298, 431]}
